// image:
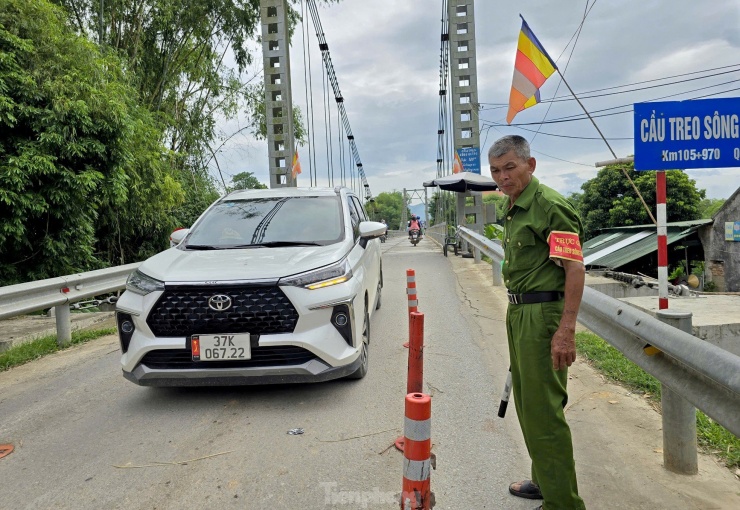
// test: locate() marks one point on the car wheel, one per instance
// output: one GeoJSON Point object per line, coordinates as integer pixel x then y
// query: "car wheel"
{"type": "Point", "coordinates": [364, 355]}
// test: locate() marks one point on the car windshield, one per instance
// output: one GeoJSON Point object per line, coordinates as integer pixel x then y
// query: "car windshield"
{"type": "Point", "coordinates": [271, 222]}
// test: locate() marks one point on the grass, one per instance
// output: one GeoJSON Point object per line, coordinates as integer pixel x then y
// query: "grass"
{"type": "Point", "coordinates": [29, 351]}
{"type": "Point", "coordinates": [711, 436]}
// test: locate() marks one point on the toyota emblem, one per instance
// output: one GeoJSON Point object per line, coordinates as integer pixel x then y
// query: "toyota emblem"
{"type": "Point", "coordinates": [219, 302]}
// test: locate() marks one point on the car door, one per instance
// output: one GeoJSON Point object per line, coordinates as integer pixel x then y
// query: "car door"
{"type": "Point", "coordinates": [370, 258]}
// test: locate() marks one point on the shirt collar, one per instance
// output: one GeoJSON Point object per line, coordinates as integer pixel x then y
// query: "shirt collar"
{"type": "Point", "coordinates": [527, 196]}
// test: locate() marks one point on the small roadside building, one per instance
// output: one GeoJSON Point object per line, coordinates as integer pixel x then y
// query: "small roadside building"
{"type": "Point", "coordinates": [721, 242]}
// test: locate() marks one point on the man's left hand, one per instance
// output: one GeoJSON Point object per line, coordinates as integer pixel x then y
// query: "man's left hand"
{"type": "Point", "coordinates": [563, 348]}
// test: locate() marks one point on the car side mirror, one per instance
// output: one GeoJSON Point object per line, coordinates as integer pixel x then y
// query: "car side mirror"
{"type": "Point", "coordinates": [372, 229]}
{"type": "Point", "coordinates": [178, 235]}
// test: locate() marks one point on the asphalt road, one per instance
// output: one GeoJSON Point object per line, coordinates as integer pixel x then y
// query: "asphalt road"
{"type": "Point", "coordinates": [87, 439]}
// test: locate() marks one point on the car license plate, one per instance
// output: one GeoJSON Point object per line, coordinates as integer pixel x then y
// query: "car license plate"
{"type": "Point", "coordinates": [220, 347]}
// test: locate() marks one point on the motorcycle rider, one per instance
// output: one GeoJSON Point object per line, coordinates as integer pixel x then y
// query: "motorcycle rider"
{"type": "Point", "coordinates": [382, 238]}
{"type": "Point", "coordinates": [414, 225]}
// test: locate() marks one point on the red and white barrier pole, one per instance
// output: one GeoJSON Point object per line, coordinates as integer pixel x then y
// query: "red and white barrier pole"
{"type": "Point", "coordinates": [413, 300]}
{"type": "Point", "coordinates": [415, 376]}
{"type": "Point", "coordinates": [417, 454]}
{"type": "Point", "coordinates": [415, 382]}
{"type": "Point", "coordinates": [660, 192]}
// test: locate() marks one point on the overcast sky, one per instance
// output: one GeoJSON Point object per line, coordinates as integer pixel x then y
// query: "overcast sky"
{"type": "Point", "coordinates": [386, 57]}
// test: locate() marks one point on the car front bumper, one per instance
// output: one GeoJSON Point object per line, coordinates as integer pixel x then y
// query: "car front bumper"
{"type": "Point", "coordinates": [311, 371]}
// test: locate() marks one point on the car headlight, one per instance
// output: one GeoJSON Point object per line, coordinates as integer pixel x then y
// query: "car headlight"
{"type": "Point", "coordinates": [142, 284]}
{"type": "Point", "coordinates": [320, 278]}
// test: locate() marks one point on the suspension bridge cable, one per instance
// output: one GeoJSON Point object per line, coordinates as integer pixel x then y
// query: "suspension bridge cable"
{"type": "Point", "coordinates": [309, 109]}
{"type": "Point", "coordinates": [310, 95]}
{"type": "Point", "coordinates": [324, 98]}
{"type": "Point", "coordinates": [329, 67]}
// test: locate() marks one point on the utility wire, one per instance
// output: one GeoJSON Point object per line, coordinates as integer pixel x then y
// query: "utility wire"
{"type": "Point", "coordinates": [573, 49]}
{"type": "Point", "coordinates": [495, 106]}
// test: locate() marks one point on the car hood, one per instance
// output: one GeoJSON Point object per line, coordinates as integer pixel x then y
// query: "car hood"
{"type": "Point", "coordinates": [174, 265]}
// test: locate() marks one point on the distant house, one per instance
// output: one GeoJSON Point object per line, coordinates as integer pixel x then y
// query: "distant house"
{"type": "Point", "coordinates": [721, 241]}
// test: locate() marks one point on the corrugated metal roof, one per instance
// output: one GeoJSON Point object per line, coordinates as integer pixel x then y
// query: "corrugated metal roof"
{"type": "Point", "coordinates": [675, 224]}
{"type": "Point", "coordinates": [636, 243]}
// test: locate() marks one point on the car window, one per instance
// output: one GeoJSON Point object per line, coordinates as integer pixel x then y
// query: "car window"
{"type": "Point", "coordinates": [360, 209]}
{"type": "Point", "coordinates": [355, 217]}
{"type": "Point", "coordinates": [311, 220]}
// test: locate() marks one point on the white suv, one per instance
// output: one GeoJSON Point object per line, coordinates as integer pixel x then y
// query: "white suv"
{"type": "Point", "coordinates": [268, 286]}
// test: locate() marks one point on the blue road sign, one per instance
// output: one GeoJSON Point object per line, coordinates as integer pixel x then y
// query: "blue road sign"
{"type": "Point", "coordinates": [703, 133]}
{"type": "Point", "coordinates": [470, 159]}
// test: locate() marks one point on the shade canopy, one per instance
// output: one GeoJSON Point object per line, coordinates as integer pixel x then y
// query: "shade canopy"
{"type": "Point", "coordinates": [463, 181]}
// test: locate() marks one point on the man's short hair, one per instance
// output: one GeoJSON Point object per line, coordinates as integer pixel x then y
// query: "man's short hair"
{"type": "Point", "coordinates": [515, 143]}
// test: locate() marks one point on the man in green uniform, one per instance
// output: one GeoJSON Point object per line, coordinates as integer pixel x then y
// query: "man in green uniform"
{"type": "Point", "coordinates": [544, 273]}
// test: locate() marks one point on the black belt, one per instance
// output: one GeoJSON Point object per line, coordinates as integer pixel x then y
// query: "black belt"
{"type": "Point", "coordinates": [529, 298]}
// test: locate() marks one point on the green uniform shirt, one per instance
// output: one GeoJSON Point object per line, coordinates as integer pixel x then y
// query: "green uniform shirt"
{"type": "Point", "coordinates": [537, 212]}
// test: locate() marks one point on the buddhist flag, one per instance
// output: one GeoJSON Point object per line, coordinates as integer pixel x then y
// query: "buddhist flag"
{"type": "Point", "coordinates": [296, 165]}
{"type": "Point", "coordinates": [457, 165]}
{"type": "Point", "coordinates": [533, 66]}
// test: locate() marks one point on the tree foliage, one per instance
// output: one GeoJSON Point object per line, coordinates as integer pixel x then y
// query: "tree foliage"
{"type": "Point", "coordinates": [608, 200]}
{"type": "Point", "coordinates": [81, 168]}
{"type": "Point", "coordinates": [708, 207]}
{"type": "Point", "coordinates": [387, 206]}
{"type": "Point", "coordinates": [246, 180]}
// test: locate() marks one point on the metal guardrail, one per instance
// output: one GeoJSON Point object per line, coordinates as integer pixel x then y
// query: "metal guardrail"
{"type": "Point", "coordinates": [703, 374]}
{"type": "Point", "coordinates": [60, 292]}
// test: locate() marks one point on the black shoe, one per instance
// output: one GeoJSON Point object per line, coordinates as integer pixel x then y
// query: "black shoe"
{"type": "Point", "coordinates": [527, 489]}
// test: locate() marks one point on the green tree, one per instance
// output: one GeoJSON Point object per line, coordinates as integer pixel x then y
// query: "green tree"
{"type": "Point", "coordinates": [442, 208]}
{"type": "Point", "coordinates": [708, 207]}
{"type": "Point", "coordinates": [387, 206]}
{"type": "Point", "coordinates": [82, 174]}
{"type": "Point", "coordinates": [246, 180]}
{"type": "Point", "coordinates": [608, 200]}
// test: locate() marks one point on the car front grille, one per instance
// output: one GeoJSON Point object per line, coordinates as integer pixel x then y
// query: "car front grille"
{"type": "Point", "coordinates": [184, 311]}
{"type": "Point", "coordinates": [274, 356]}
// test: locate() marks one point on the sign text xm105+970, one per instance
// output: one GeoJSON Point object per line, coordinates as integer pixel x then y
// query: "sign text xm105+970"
{"type": "Point", "coordinates": [687, 134]}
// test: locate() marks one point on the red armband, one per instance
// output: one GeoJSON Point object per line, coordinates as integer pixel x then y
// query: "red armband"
{"type": "Point", "coordinates": [565, 245]}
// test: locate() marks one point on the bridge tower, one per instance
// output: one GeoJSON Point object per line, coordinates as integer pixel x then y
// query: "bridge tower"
{"type": "Point", "coordinates": [278, 97]}
{"type": "Point", "coordinates": [465, 120]}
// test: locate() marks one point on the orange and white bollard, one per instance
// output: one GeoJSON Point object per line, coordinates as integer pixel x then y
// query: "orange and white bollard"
{"type": "Point", "coordinates": [417, 453]}
{"type": "Point", "coordinates": [415, 381]}
{"type": "Point", "coordinates": [413, 300]}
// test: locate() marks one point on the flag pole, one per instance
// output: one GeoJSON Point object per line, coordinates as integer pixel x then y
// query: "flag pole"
{"type": "Point", "coordinates": [607, 144]}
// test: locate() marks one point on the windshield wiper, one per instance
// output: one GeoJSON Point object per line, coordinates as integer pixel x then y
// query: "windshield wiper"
{"type": "Point", "coordinates": [276, 244]}
{"type": "Point", "coordinates": [202, 247]}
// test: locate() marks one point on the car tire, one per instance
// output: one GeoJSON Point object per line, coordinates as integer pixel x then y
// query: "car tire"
{"type": "Point", "coordinates": [365, 354]}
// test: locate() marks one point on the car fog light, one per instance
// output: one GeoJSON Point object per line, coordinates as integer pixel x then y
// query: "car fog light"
{"type": "Point", "coordinates": [340, 319]}
{"type": "Point", "coordinates": [127, 327]}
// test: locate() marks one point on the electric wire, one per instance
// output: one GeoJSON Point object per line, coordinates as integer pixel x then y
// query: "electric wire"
{"type": "Point", "coordinates": [586, 11]}
{"type": "Point", "coordinates": [496, 106]}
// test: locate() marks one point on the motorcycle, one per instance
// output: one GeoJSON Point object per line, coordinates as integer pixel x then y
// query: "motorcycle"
{"type": "Point", "coordinates": [414, 236]}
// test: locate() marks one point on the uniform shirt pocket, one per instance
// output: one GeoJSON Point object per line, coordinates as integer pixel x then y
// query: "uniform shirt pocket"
{"type": "Point", "coordinates": [523, 252]}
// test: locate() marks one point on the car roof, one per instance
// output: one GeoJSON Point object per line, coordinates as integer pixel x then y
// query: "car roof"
{"type": "Point", "coordinates": [284, 192]}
